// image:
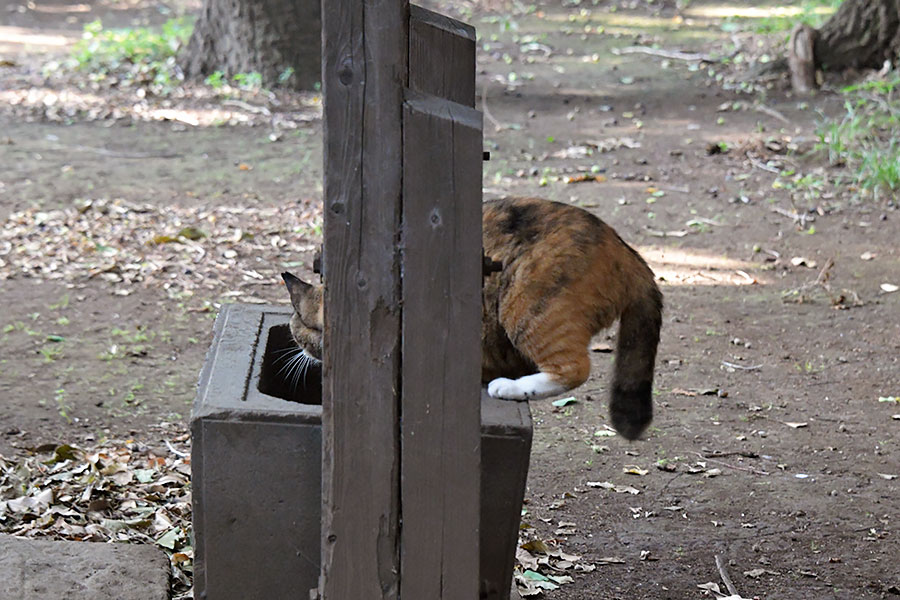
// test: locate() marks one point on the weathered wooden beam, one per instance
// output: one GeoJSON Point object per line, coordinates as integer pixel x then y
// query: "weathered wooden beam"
{"type": "Point", "coordinates": [440, 404]}
{"type": "Point", "coordinates": [363, 75]}
{"type": "Point", "coordinates": [441, 56]}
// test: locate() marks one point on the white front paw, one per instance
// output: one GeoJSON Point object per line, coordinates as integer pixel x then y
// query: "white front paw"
{"type": "Point", "coordinates": [536, 386]}
{"type": "Point", "coordinates": [506, 388]}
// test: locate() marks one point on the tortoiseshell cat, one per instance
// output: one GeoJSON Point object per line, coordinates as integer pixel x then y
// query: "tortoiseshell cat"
{"type": "Point", "coordinates": [565, 276]}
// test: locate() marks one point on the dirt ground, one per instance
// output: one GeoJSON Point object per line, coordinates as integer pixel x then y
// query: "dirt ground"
{"type": "Point", "coordinates": [770, 447]}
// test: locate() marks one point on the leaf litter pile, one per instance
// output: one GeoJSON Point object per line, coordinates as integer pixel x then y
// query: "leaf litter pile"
{"type": "Point", "coordinates": [543, 566]}
{"type": "Point", "coordinates": [183, 251]}
{"type": "Point", "coordinates": [120, 491]}
{"type": "Point", "coordinates": [29, 95]}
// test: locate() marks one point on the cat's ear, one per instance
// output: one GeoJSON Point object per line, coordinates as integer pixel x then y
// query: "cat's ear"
{"type": "Point", "coordinates": [297, 288]}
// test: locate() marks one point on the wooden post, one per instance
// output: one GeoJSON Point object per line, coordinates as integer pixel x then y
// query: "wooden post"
{"type": "Point", "coordinates": [363, 76]}
{"type": "Point", "coordinates": [402, 269]}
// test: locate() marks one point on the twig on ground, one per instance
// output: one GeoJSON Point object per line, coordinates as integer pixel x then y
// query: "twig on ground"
{"type": "Point", "coordinates": [673, 54]}
{"type": "Point", "coordinates": [822, 281]}
{"type": "Point", "coordinates": [677, 475]}
{"type": "Point", "coordinates": [761, 165]}
{"type": "Point", "coordinates": [798, 218]}
{"type": "Point", "coordinates": [735, 467]}
{"type": "Point", "coordinates": [744, 453]}
{"type": "Point", "coordinates": [771, 112]}
{"type": "Point", "coordinates": [723, 573]}
{"type": "Point", "coordinates": [175, 450]}
{"type": "Point", "coordinates": [259, 110]}
{"type": "Point", "coordinates": [825, 274]}
{"type": "Point", "coordinates": [746, 276]}
{"type": "Point", "coordinates": [742, 367]}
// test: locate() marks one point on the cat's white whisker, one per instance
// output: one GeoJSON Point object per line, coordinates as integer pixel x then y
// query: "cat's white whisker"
{"type": "Point", "coordinates": [284, 351]}
{"type": "Point", "coordinates": [302, 368]}
{"type": "Point", "coordinates": [289, 360]}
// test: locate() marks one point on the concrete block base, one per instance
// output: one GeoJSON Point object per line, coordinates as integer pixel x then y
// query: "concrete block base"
{"type": "Point", "coordinates": [256, 462]}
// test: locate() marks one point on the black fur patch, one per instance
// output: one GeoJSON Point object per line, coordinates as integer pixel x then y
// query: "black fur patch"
{"type": "Point", "coordinates": [521, 222]}
{"type": "Point", "coordinates": [590, 232]}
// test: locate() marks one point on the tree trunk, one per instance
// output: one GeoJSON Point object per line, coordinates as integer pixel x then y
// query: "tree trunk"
{"type": "Point", "coordinates": [802, 59]}
{"type": "Point", "coordinates": [274, 38]}
{"type": "Point", "coordinates": [861, 34]}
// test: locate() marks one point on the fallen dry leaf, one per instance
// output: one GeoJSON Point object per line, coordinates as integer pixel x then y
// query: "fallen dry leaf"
{"type": "Point", "coordinates": [535, 546]}
{"type": "Point", "coordinates": [585, 177]}
{"type": "Point", "coordinates": [634, 470]}
{"type": "Point", "coordinates": [565, 528]}
{"type": "Point", "coordinates": [684, 392]}
{"type": "Point", "coordinates": [756, 573]}
{"type": "Point", "coordinates": [799, 261]}
{"type": "Point", "coordinates": [621, 489]}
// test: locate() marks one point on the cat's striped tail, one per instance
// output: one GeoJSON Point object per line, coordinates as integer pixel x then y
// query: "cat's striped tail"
{"type": "Point", "coordinates": [631, 403]}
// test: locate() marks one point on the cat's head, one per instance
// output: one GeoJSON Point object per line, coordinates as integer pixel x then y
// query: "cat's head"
{"type": "Point", "coordinates": [308, 318]}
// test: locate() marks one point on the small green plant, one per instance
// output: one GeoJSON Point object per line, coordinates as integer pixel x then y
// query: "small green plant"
{"type": "Point", "coordinates": [51, 352]}
{"type": "Point", "coordinates": [139, 335]}
{"type": "Point", "coordinates": [129, 398]}
{"type": "Point", "coordinates": [63, 303]}
{"type": "Point", "coordinates": [808, 186]}
{"type": "Point", "coordinates": [140, 55]}
{"type": "Point", "coordinates": [809, 368]}
{"type": "Point", "coordinates": [248, 81]}
{"type": "Point", "coordinates": [217, 80]}
{"type": "Point", "coordinates": [866, 140]}
{"type": "Point", "coordinates": [62, 407]}
{"type": "Point", "coordinates": [285, 76]}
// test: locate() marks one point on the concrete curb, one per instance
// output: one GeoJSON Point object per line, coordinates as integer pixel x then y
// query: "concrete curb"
{"type": "Point", "coordinates": [61, 570]}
